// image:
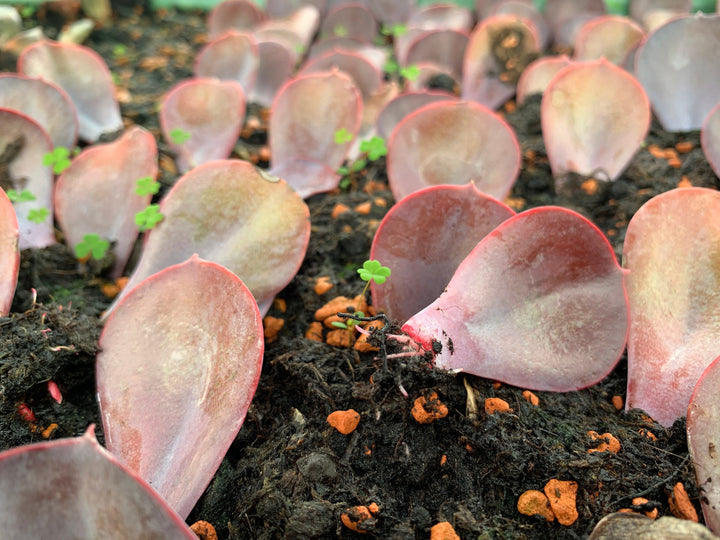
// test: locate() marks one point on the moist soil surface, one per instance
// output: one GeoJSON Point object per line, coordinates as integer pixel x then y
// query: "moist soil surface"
{"type": "Point", "coordinates": [289, 474]}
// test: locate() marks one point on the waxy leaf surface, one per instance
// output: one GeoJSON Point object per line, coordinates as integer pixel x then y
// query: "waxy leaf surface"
{"type": "Point", "coordinates": [9, 254]}
{"type": "Point", "coordinates": [539, 303]}
{"type": "Point", "coordinates": [179, 363]}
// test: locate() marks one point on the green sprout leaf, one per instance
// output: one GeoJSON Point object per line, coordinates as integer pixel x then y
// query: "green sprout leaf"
{"type": "Point", "coordinates": [340, 31]}
{"type": "Point", "coordinates": [391, 66]}
{"type": "Point", "coordinates": [58, 159]}
{"type": "Point", "coordinates": [375, 148]}
{"type": "Point", "coordinates": [38, 215]}
{"type": "Point", "coordinates": [147, 186]}
{"type": "Point", "coordinates": [24, 196]}
{"type": "Point", "coordinates": [395, 30]}
{"type": "Point", "coordinates": [350, 324]}
{"type": "Point", "coordinates": [343, 136]}
{"type": "Point", "coordinates": [410, 72]}
{"type": "Point", "coordinates": [148, 218]}
{"type": "Point", "coordinates": [119, 50]}
{"type": "Point", "coordinates": [374, 271]}
{"type": "Point", "coordinates": [93, 245]}
{"type": "Point", "coordinates": [179, 136]}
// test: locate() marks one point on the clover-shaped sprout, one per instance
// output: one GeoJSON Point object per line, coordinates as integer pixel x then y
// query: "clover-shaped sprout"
{"type": "Point", "coordinates": [373, 271]}
{"type": "Point", "coordinates": [92, 245]}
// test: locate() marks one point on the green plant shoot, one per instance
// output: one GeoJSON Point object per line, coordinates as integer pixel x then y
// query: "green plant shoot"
{"type": "Point", "coordinates": [391, 66]}
{"type": "Point", "coordinates": [374, 147]}
{"type": "Point", "coordinates": [58, 159]}
{"type": "Point", "coordinates": [23, 196]}
{"type": "Point", "coordinates": [373, 271]}
{"type": "Point", "coordinates": [343, 136]}
{"type": "Point", "coordinates": [179, 136]}
{"type": "Point", "coordinates": [38, 215]}
{"type": "Point", "coordinates": [340, 31]}
{"type": "Point", "coordinates": [395, 30]}
{"type": "Point", "coordinates": [92, 245]}
{"type": "Point", "coordinates": [147, 186]}
{"type": "Point", "coordinates": [410, 72]}
{"type": "Point", "coordinates": [148, 218]}
{"type": "Point", "coordinates": [350, 324]}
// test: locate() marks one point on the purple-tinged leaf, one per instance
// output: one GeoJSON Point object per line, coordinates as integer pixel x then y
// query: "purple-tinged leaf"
{"type": "Point", "coordinates": [96, 193]}
{"type": "Point", "coordinates": [587, 131]}
{"type": "Point", "coordinates": [74, 488]}
{"type": "Point", "coordinates": [275, 66]}
{"type": "Point", "coordinates": [240, 15]}
{"type": "Point", "coordinates": [670, 249]}
{"type": "Point", "coordinates": [539, 303]}
{"type": "Point", "coordinates": [648, 12]}
{"type": "Point", "coordinates": [375, 55]}
{"type": "Point", "coordinates": [278, 9]}
{"type": "Point", "coordinates": [404, 104]}
{"type": "Point", "coordinates": [365, 75]}
{"type": "Point", "coordinates": [567, 16]}
{"type": "Point", "coordinates": [230, 213]}
{"type": "Point", "coordinates": [84, 75]}
{"type": "Point", "coordinates": [485, 8]}
{"type": "Point", "coordinates": [445, 16]}
{"type": "Point", "coordinates": [703, 433]}
{"type": "Point", "coordinates": [444, 48]}
{"type": "Point", "coordinates": [9, 253]}
{"type": "Point", "coordinates": [610, 36]}
{"type": "Point", "coordinates": [299, 27]}
{"type": "Point", "coordinates": [307, 112]}
{"type": "Point", "coordinates": [26, 143]}
{"type": "Point", "coordinates": [453, 143]}
{"type": "Point", "coordinates": [482, 73]}
{"type": "Point", "coordinates": [211, 112]}
{"type": "Point", "coordinates": [536, 77]}
{"type": "Point", "coordinates": [679, 69]}
{"type": "Point", "coordinates": [526, 10]}
{"type": "Point", "coordinates": [391, 12]}
{"type": "Point", "coordinates": [44, 102]}
{"type": "Point", "coordinates": [710, 139]}
{"type": "Point", "coordinates": [307, 177]}
{"type": "Point", "coordinates": [350, 20]}
{"type": "Point", "coordinates": [179, 364]}
{"type": "Point", "coordinates": [233, 56]}
{"type": "Point", "coordinates": [424, 238]}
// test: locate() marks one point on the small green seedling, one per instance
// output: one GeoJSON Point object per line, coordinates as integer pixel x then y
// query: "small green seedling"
{"type": "Point", "coordinates": [373, 271]}
{"type": "Point", "coordinates": [179, 136]}
{"type": "Point", "coordinates": [356, 166]}
{"type": "Point", "coordinates": [148, 218]}
{"type": "Point", "coordinates": [374, 148]}
{"type": "Point", "coordinates": [394, 30]}
{"type": "Point", "coordinates": [147, 186]}
{"type": "Point", "coordinates": [38, 215]}
{"type": "Point", "coordinates": [350, 324]}
{"type": "Point", "coordinates": [92, 245]}
{"type": "Point", "coordinates": [23, 196]}
{"type": "Point", "coordinates": [410, 72]}
{"type": "Point", "coordinates": [343, 136]}
{"type": "Point", "coordinates": [58, 159]}
{"type": "Point", "coordinates": [119, 50]}
{"type": "Point", "coordinates": [391, 66]}
{"type": "Point", "coordinates": [340, 31]}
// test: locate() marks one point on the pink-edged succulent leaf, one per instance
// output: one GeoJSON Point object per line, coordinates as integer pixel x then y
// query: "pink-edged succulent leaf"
{"type": "Point", "coordinates": [44, 102]}
{"type": "Point", "coordinates": [299, 27]}
{"type": "Point", "coordinates": [240, 15]}
{"type": "Point", "coordinates": [233, 56]}
{"type": "Point", "coordinates": [536, 77]}
{"type": "Point", "coordinates": [424, 238]}
{"type": "Point", "coordinates": [307, 177]}
{"type": "Point", "coordinates": [230, 213]}
{"type": "Point", "coordinates": [353, 20]}
{"type": "Point", "coordinates": [391, 12]}
{"type": "Point", "coordinates": [96, 193]}
{"type": "Point", "coordinates": [9, 253]}
{"type": "Point", "coordinates": [278, 9]}
{"type": "Point", "coordinates": [526, 10]}
{"type": "Point", "coordinates": [398, 108]}
{"type": "Point", "coordinates": [587, 132]}
{"type": "Point", "coordinates": [444, 48]}
{"type": "Point", "coordinates": [679, 71]}
{"type": "Point", "coordinates": [485, 8]}
{"type": "Point", "coordinates": [210, 111]}
{"type": "Point", "coordinates": [611, 37]}
{"type": "Point", "coordinates": [275, 66]}
{"type": "Point", "coordinates": [649, 12]}
{"type": "Point", "coordinates": [483, 79]}
{"type": "Point", "coordinates": [180, 360]}
{"type": "Point", "coordinates": [84, 76]}
{"type": "Point", "coordinates": [442, 16]}
{"type": "Point", "coordinates": [703, 433]}
{"type": "Point", "coordinates": [710, 139]}
{"type": "Point", "coordinates": [453, 142]}
{"type": "Point", "coordinates": [427, 73]}
{"type": "Point", "coordinates": [25, 144]}
{"type": "Point", "coordinates": [567, 16]}
{"type": "Point", "coordinates": [307, 113]}
{"type": "Point", "coordinates": [77, 489]}
{"type": "Point", "coordinates": [539, 303]}
{"type": "Point", "coordinates": [670, 249]}
{"type": "Point", "coordinates": [366, 76]}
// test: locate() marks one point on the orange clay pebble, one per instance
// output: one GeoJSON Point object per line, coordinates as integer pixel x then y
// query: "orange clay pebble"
{"type": "Point", "coordinates": [338, 209]}
{"type": "Point", "coordinates": [493, 405]}
{"type": "Point", "coordinates": [427, 410]}
{"type": "Point", "coordinates": [204, 530]}
{"type": "Point", "coordinates": [354, 517]}
{"type": "Point", "coordinates": [361, 343]}
{"type": "Point", "coordinates": [496, 385]}
{"type": "Point", "coordinates": [111, 290]}
{"type": "Point", "coordinates": [684, 182]}
{"type": "Point", "coordinates": [344, 421]}
{"type": "Point", "coordinates": [443, 531]}
{"type": "Point", "coordinates": [280, 305]}
{"type": "Point", "coordinates": [531, 398]}
{"type": "Point", "coordinates": [379, 201]}
{"type": "Point", "coordinates": [443, 459]}
{"type": "Point", "coordinates": [49, 431]}
{"type": "Point", "coordinates": [590, 186]}
{"type": "Point", "coordinates": [656, 151]}
{"type": "Point", "coordinates": [617, 402]}
{"type": "Point", "coordinates": [340, 303]}
{"type": "Point", "coordinates": [533, 503]}
{"type": "Point", "coordinates": [639, 501]}
{"type": "Point", "coordinates": [264, 153]}
{"type": "Point", "coordinates": [339, 338]}
{"type": "Point", "coordinates": [609, 444]}
{"type": "Point", "coordinates": [684, 147]}
{"type": "Point", "coordinates": [649, 434]}
{"type": "Point", "coordinates": [674, 162]}
{"type": "Point", "coordinates": [314, 331]}
{"type": "Point", "coordinates": [271, 327]}
{"type": "Point", "coordinates": [561, 495]}
{"type": "Point", "coordinates": [322, 285]}
{"type": "Point", "coordinates": [680, 504]}
{"type": "Point", "coordinates": [364, 208]}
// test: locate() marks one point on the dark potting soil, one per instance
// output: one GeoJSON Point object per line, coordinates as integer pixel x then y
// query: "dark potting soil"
{"type": "Point", "coordinates": [289, 474]}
